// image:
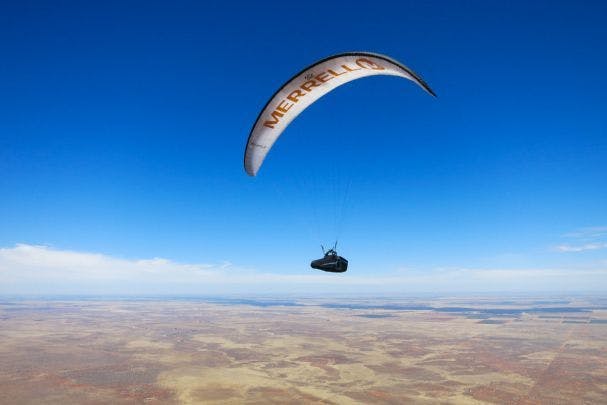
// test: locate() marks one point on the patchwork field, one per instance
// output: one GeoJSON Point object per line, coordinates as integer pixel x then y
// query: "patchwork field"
{"type": "Point", "coordinates": [265, 351]}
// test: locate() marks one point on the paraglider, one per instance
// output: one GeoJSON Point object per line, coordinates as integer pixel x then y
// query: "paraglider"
{"type": "Point", "coordinates": [300, 92]}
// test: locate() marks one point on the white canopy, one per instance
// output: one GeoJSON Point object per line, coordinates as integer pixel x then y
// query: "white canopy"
{"type": "Point", "coordinates": [308, 86]}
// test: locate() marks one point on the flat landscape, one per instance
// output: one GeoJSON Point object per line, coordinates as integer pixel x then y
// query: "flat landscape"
{"type": "Point", "coordinates": [303, 350]}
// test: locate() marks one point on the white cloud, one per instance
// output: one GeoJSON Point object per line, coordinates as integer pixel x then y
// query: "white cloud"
{"type": "Point", "coordinates": [588, 232]}
{"type": "Point", "coordinates": [31, 262]}
{"type": "Point", "coordinates": [581, 248]}
{"type": "Point", "coordinates": [30, 269]}
{"type": "Point", "coordinates": [585, 239]}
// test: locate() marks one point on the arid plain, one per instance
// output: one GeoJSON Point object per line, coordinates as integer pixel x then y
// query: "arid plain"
{"type": "Point", "coordinates": [456, 350]}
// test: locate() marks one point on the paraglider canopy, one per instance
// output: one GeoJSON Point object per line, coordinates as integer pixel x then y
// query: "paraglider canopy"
{"type": "Point", "coordinates": [309, 85]}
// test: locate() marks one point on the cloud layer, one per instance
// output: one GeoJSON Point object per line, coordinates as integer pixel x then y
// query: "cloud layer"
{"type": "Point", "coordinates": [31, 269]}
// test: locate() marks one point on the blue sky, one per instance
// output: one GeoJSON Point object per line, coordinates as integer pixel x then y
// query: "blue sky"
{"type": "Point", "coordinates": [123, 124]}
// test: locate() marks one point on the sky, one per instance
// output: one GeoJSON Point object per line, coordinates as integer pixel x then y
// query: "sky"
{"type": "Point", "coordinates": [123, 127]}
